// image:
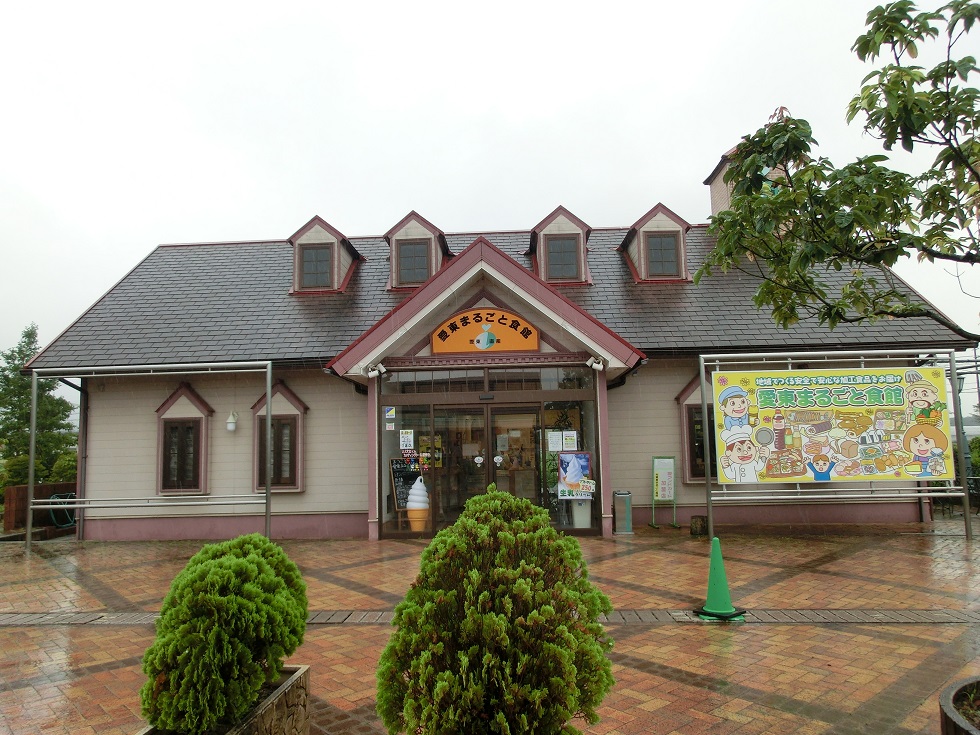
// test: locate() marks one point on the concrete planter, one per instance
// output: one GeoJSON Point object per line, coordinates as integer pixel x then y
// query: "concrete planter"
{"type": "Point", "coordinates": [951, 722]}
{"type": "Point", "coordinates": [284, 712]}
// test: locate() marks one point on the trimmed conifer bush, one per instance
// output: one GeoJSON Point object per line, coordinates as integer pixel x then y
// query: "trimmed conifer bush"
{"type": "Point", "coordinates": [499, 633]}
{"type": "Point", "coordinates": [230, 618]}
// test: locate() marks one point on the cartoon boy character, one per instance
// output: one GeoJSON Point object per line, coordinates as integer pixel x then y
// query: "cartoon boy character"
{"type": "Point", "coordinates": [742, 460]}
{"type": "Point", "coordinates": [821, 466]}
{"type": "Point", "coordinates": [927, 445]}
{"type": "Point", "coordinates": [734, 404]}
{"type": "Point", "coordinates": [924, 403]}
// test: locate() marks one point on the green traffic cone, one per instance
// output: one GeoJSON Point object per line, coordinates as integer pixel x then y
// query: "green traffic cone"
{"type": "Point", "coordinates": [719, 605]}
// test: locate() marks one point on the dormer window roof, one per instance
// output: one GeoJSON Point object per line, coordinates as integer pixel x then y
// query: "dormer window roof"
{"type": "Point", "coordinates": [559, 244]}
{"type": "Point", "coordinates": [655, 247]}
{"type": "Point", "coordinates": [417, 250]}
{"type": "Point", "coordinates": [323, 259]}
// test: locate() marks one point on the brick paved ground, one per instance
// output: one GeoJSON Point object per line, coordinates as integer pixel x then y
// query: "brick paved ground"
{"type": "Point", "coordinates": [847, 631]}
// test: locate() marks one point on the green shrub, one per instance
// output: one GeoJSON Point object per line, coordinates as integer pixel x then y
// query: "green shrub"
{"type": "Point", "coordinates": [65, 468]}
{"type": "Point", "coordinates": [499, 633]}
{"type": "Point", "coordinates": [230, 618]}
{"type": "Point", "coordinates": [16, 470]}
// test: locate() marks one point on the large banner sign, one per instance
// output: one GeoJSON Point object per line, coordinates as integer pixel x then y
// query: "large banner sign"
{"type": "Point", "coordinates": [832, 425]}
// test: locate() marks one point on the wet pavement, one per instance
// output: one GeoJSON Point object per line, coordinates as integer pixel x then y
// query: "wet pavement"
{"type": "Point", "coordinates": [847, 629]}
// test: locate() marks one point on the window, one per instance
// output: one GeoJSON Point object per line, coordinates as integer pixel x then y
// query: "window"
{"type": "Point", "coordinates": [183, 422]}
{"type": "Point", "coordinates": [562, 258]}
{"type": "Point", "coordinates": [413, 261]}
{"type": "Point", "coordinates": [695, 442]}
{"type": "Point", "coordinates": [317, 266]}
{"type": "Point", "coordinates": [662, 257]}
{"type": "Point", "coordinates": [284, 433]}
{"type": "Point", "coordinates": [181, 454]}
{"type": "Point", "coordinates": [288, 418]}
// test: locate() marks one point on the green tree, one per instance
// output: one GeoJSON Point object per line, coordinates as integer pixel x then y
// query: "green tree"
{"type": "Point", "coordinates": [54, 432]}
{"type": "Point", "coordinates": [499, 633]}
{"type": "Point", "coordinates": [796, 220]}
{"type": "Point", "coordinates": [65, 468]}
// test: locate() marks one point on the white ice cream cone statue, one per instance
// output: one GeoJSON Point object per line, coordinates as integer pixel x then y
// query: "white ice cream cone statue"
{"type": "Point", "coordinates": [417, 506]}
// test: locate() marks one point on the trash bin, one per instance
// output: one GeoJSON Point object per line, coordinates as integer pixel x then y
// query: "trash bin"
{"type": "Point", "coordinates": [581, 513]}
{"type": "Point", "coordinates": [623, 512]}
{"type": "Point", "coordinates": [699, 525]}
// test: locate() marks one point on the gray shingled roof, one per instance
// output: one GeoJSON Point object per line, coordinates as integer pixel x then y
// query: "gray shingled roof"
{"type": "Point", "coordinates": [231, 302]}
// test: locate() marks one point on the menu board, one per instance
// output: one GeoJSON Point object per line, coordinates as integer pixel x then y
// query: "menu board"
{"type": "Point", "coordinates": [404, 473]}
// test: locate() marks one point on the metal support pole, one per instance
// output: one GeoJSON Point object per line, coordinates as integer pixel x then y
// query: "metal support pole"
{"type": "Point", "coordinates": [268, 450]}
{"type": "Point", "coordinates": [708, 424]}
{"type": "Point", "coordinates": [961, 445]}
{"type": "Point", "coordinates": [30, 464]}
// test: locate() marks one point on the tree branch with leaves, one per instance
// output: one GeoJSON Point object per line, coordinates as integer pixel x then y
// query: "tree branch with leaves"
{"type": "Point", "coordinates": [822, 239]}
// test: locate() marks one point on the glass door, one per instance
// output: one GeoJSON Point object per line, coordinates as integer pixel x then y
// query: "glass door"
{"type": "Point", "coordinates": [464, 467]}
{"type": "Point", "coordinates": [515, 433]}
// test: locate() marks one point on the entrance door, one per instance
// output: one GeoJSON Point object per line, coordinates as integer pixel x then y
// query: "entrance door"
{"type": "Point", "coordinates": [515, 434]}
{"type": "Point", "coordinates": [484, 445]}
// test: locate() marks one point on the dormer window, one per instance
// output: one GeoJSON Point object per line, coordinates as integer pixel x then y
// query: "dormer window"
{"type": "Point", "coordinates": [413, 261]}
{"type": "Point", "coordinates": [418, 250]}
{"type": "Point", "coordinates": [654, 246]}
{"type": "Point", "coordinates": [558, 248]}
{"type": "Point", "coordinates": [663, 258]}
{"type": "Point", "coordinates": [562, 258]}
{"type": "Point", "coordinates": [323, 259]}
{"type": "Point", "coordinates": [317, 265]}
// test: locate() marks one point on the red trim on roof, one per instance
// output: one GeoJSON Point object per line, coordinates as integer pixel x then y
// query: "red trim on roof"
{"type": "Point", "coordinates": [659, 208]}
{"type": "Point", "coordinates": [560, 210]}
{"type": "Point", "coordinates": [441, 285]}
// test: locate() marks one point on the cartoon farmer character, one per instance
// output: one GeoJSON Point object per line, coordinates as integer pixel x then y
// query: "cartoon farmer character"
{"type": "Point", "coordinates": [734, 404]}
{"type": "Point", "coordinates": [924, 404]}
{"type": "Point", "coordinates": [821, 466]}
{"type": "Point", "coordinates": [742, 460]}
{"type": "Point", "coordinates": [927, 445]}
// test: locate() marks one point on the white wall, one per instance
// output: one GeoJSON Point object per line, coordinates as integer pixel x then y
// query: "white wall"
{"type": "Point", "coordinates": [123, 444]}
{"type": "Point", "coordinates": [645, 421]}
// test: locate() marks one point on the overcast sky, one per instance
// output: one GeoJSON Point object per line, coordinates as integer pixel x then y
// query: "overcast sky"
{"type": "Point", "coordinates": [126, 125]}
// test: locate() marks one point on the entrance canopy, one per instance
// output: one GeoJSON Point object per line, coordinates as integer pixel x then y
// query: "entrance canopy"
{"type": "Point", "coordinates": [485, 308]}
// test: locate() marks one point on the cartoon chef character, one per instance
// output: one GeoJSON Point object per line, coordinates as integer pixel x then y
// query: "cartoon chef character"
{"type": "Point", "coordinates": [734, 404]}
{"type": "Point", "coordinates": [742, 460]}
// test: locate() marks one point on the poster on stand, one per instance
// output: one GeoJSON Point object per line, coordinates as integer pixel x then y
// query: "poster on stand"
{"type": "Point", "coordinates": [573, 468]}
{"type": "Point", "coordinates": [832, 425]}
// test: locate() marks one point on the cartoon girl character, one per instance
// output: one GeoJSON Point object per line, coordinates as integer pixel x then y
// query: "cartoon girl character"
{"type": "Point", "coordinates": [927, 445]}
{"type": "Point", "coordinates": [734, 404]}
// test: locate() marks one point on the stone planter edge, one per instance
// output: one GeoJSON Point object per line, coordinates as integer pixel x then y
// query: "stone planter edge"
{"type": "Point", "coordinates": [951, 722]}
{"type": "Point", "coordinates": [257, 723]}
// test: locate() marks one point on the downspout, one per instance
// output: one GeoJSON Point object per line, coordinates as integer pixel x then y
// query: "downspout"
{"type": "Point", "coordinates": [30, 465]}
{"type": "Point", "coordinates": [81, 482]}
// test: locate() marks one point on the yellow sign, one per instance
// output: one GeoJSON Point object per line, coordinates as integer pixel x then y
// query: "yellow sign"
{"type": "Point", "coordinates": [832, 425]}
{"type": "Point", "coordinates": [485, 330]}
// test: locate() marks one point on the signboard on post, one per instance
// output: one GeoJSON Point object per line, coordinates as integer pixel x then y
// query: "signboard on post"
{"type": "Point", "coordinates": [663, 478]}
{"type": "Point", "coordinates": [832, 425]}
{"type": "Point", "coordinates": [664, 469]}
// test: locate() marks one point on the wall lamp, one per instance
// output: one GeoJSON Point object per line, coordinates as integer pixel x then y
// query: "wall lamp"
{"type": "Point", "coordinates": [232, 421]}
{"type": "Point", "coordinates": [596, 364]}
{"type": "Point", "coordinates": [376, 370]}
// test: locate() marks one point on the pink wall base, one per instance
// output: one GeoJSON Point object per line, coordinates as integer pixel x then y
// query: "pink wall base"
{"type": "Point", "coordinates": [879, 512]}
{"type": "Point", "coordinates": [321, 526]}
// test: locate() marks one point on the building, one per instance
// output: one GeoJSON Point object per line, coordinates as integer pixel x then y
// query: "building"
{"type": "Point", "coordinates": [533, 359]}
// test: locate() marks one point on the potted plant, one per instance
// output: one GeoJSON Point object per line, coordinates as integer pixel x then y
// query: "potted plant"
{"type": "Point", "coordinates": [230, 618]}
{"type": "Point", "coordinates": [959, 708]}
{"type": "Point", "coordinates": [499, 632]}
